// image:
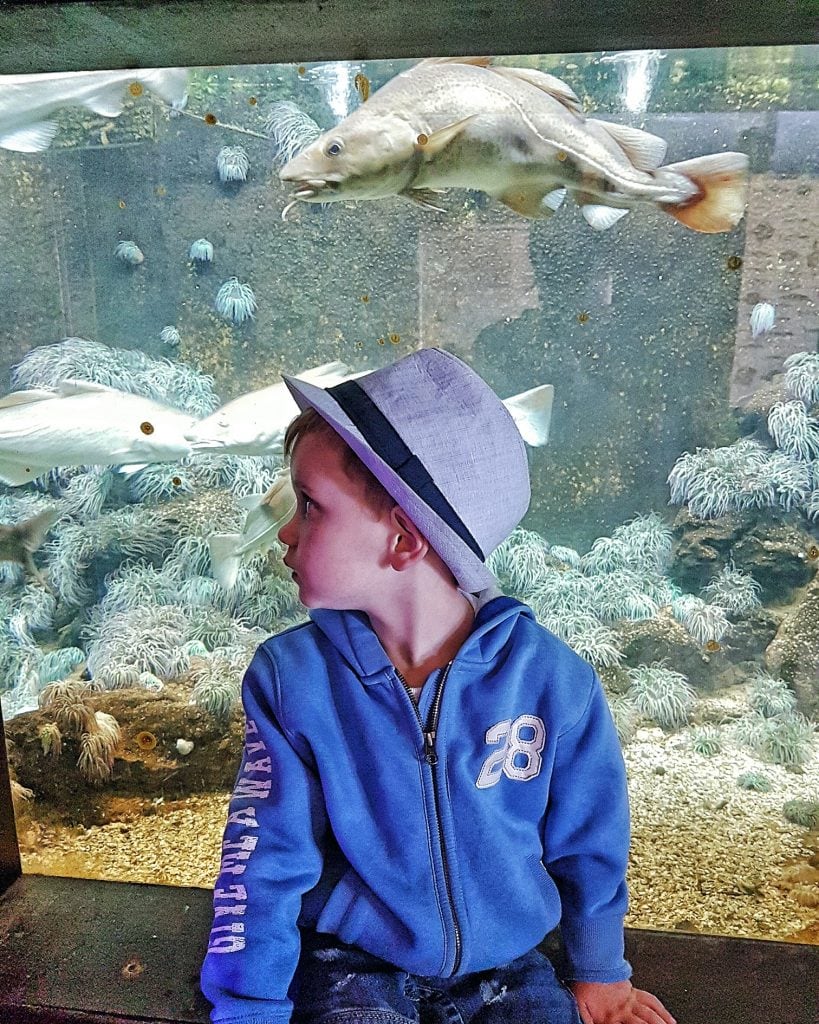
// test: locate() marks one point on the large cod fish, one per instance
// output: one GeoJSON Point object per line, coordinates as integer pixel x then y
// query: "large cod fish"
{"type": "Point", "coordinates": [517, 134]}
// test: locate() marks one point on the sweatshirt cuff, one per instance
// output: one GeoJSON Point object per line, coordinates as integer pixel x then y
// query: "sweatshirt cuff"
{"type": "Point", "coordinates": [595, 950]}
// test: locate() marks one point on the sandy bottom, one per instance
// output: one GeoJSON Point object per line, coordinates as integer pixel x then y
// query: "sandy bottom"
{"type": "Point", "coordinates": [707, 856]}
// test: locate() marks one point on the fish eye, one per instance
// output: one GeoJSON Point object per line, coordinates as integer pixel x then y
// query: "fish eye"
{"type": "Point", "coordinates": [334, 148]}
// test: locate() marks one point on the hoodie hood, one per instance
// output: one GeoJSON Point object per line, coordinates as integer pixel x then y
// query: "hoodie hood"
{"type": "Point", "coordinates": [357, 643]}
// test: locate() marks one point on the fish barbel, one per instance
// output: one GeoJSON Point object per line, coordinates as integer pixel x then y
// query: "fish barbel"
{"type": "Point", "coordinates": [27, 101]}
{"type": "Point", "coordinates": [517, 134]}
{"type": "Point", "coordinates": [85, 424]}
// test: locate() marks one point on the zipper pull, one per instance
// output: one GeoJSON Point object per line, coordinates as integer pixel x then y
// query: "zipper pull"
{"type": "Point", "coordinates": [429, 748]}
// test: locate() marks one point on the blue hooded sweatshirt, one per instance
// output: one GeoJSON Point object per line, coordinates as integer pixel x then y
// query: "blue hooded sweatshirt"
{"type": "Point", "coordinates": [445, 838]}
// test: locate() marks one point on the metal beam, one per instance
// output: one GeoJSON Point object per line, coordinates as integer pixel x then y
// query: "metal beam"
{"type": "Point", "coordinates": [105, 34]}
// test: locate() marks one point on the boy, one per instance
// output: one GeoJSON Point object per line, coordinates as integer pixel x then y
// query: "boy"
{"type": "Point", "coordinates": [428, 774]}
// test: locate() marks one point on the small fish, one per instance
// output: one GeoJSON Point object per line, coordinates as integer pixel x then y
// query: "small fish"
{"type": "Point", "coordinates": [265, 515]}
{"type": "Point", "coordinates": [362, 84]}
{"type": "Point", "coordinates": [255, 423]}
{"type": "Point", "coordinates": [27, 101]}
{"type": "Point", "coordinates": [19, 542]}
{"type": "Point", "coordinates": [517, 134]}
{"type": "Point", "coordinates": [85, 424]}
{"type": "Point", "coordinates": [763, 317]}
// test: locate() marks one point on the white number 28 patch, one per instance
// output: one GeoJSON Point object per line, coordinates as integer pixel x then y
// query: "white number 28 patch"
{"type": "Point", "coordinates": [518, 756]}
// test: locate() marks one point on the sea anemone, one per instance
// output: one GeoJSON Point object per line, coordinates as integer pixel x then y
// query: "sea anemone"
{"type": "Point", "coordinates": [802, 812]}
{"type": "Point", "coordinates": [129, 252]}
{"type": "Point", "coordinates": [235, 301]}
{"type": "Point", "coordinates": [625, 715]}
{"type": "Point", "coordinates": [201, 251]}
{"type": "Point", "coordinates": [598, 646]}
{"type": "Point", "coordinates": [290, 130]}
{"type": "Point", "coordinates": [735, 591]}
{"type": "Point", "coordinates": [51, 739]}
{"type": "Point", "coordinates": [170, 336]}
{"type": "Point", "coordinates": [661, 694]}
{"type": "Point", "coordinates": [706, 740]}
{"type": "Point", "coordinates": [794, 431]}
{"type": "Point", "coordinates": [88, 491]}
{"type": "Point", "coordinates": [566, 555]}
{"type": "Point", "coordinates": [56, 665]}
{"type": "Point", "coordinates": [605, 555]}
{"type": "Point", "coordinates": [217, 685]}
{"type": "Point", "coordinates": [705, 622]}
{"type": "Point", "coordinates": [96, 758]}
{"type": "Point", "coordinates": [786, 738]}
{"type": "Point", "coordinates": [763, 317]}
{"type": "Point", "coordinates": [771, 697]}
{"type": "Point", "coordinates": [648, 542]}
{"type": "Point", "coordinates": [232, 163]}
{"type": "Point", "coordinates": [802, 376]}
{"type": "Point", "coordinates": [160, 481]}
{"type": "Point", "coordinates": [754, 781]}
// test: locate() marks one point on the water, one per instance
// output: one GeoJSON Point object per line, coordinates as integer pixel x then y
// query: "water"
{"type": "Point", "coordinates": [645, 332]}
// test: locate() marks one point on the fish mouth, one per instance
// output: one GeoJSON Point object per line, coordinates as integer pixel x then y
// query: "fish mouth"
{"type": "Point", "coordinates": [306, 191]}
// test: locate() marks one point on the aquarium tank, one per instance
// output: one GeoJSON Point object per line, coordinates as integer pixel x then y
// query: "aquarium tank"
{"type": "Point", "coordinates": [638, 230]}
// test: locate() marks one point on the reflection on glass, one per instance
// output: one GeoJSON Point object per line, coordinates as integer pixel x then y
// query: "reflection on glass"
{"type": "Point", "coordinates": [156, 277]}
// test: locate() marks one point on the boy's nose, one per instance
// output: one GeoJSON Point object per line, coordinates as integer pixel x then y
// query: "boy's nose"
{"type": "Point", "coordinates": [286, 535]}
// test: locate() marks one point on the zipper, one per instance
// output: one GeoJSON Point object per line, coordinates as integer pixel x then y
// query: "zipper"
{"type": "Point", "coordinates": [429, 733]}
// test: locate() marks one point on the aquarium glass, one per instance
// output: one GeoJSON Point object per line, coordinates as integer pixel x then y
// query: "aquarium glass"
{"type": "Point", "coordinates": [673, 533]}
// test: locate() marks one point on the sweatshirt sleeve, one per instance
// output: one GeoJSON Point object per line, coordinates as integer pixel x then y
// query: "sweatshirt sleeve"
{"type": "Point", "coordinates": [270, 857]}
{"type": "Point", "coordinates": [586, 842]}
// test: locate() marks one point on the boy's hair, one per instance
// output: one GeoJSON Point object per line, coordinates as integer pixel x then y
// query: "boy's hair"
{"type": "Point", "coordinates": [310, 422]}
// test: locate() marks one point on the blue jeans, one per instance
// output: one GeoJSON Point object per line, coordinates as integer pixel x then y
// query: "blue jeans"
{"type": "Point", "coordinates": [340, 984]}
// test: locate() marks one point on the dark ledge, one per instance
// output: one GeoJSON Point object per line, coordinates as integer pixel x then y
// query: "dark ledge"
{"type": "Point", "coordinates": [76, 950]}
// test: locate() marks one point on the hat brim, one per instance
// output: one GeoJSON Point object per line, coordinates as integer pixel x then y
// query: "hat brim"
{"type": "Point", "coordinates": [470, 572]}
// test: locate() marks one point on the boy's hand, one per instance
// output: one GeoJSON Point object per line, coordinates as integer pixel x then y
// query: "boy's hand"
{"type": "Point", "coordinates": [618, 1002]}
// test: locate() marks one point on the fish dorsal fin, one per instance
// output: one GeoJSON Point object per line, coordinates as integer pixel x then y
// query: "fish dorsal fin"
{"type": "Point", "coordinates": [554, 87]}
{"type": "Point", "coordinates": [644, 150]}
{"type": "Point", "coordinates": [34, 138]}
{"type": "Point", "coordinates": [478, 62]}
{"type": "Point", "coordinates": [315, 376]}
{"type": "Point", "coordinates": [26, 397]}
{"type": "Point", "coordinates": [72, 386]}
{"type": "Point", "coordinates": [439, 140]}
{"type": "Point", "coordinates": [532, 413]}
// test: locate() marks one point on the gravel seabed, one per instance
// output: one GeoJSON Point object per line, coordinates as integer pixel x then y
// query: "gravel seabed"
{"type": "Point", "coordinates": [706, 855]}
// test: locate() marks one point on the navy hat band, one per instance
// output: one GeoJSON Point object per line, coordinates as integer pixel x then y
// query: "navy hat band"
{"type": "Point", "coordinates": [385, 441]}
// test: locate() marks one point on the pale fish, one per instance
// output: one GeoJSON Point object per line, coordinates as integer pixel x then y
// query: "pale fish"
{"type": "Point", "coordinates": [265, 515]}
{"type": "Point", "coordinates": [517, 134]}
{"type": "Point", "coordinates": [85, 424]}
{"type": "Point", "coordinates": [19, 541]}
{"type": "Point", "coordinates": [763, 318]}
{"type": "Point", "coordinates": [255, 423]}
{"type": "Point", "coordinates": [28, 101]}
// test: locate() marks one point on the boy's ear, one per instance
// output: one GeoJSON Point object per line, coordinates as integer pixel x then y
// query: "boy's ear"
{"type": "Point", "coordinates": [407, 545]}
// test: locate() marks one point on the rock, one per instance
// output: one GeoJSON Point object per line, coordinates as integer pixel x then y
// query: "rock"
{"type": "Point", "coordinates": [793, 655]}
{"type": "Point", "coordinates": [664, 639]}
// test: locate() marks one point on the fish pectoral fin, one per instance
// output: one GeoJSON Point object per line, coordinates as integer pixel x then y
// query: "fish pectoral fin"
{"type": "Point", "coordinates": [601, 217]}
{"type": "Point", "coordinates": [225, 558]}
{"type": "Point", "coordinates": [423, 197]}
{"type": "Point", "coordinates": [552, 86]}
{"type": "Point", "coordinates": [532, 412]}
{"type": "Point", "coordinates": [108, 102]}
{"type": "Point", "coordinates": [439, 140]}
{"type": "Point", "coordinates": [15, 474]}
{"type": "Point", "coordinates": [644, 150]}
{"type": "Point", "coordinates": [531, 201]}
{"type": "Point", "coordinates": [32, 139]}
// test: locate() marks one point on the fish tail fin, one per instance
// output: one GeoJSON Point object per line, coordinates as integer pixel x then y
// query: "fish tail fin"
{"type": "Point", "coordinates": [532, 412]}
{"type": "Point", "coordinates": [718, 204]}
{"type": "Point", "coordinates": [225, 558]}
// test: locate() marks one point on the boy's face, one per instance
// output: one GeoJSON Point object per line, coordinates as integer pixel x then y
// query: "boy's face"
{"type": "Point", "coordinates": [337, 543]}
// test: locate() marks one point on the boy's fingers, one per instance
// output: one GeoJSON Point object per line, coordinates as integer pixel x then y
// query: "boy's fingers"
{"type": "Point", "coordinates": [655, 1007]}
